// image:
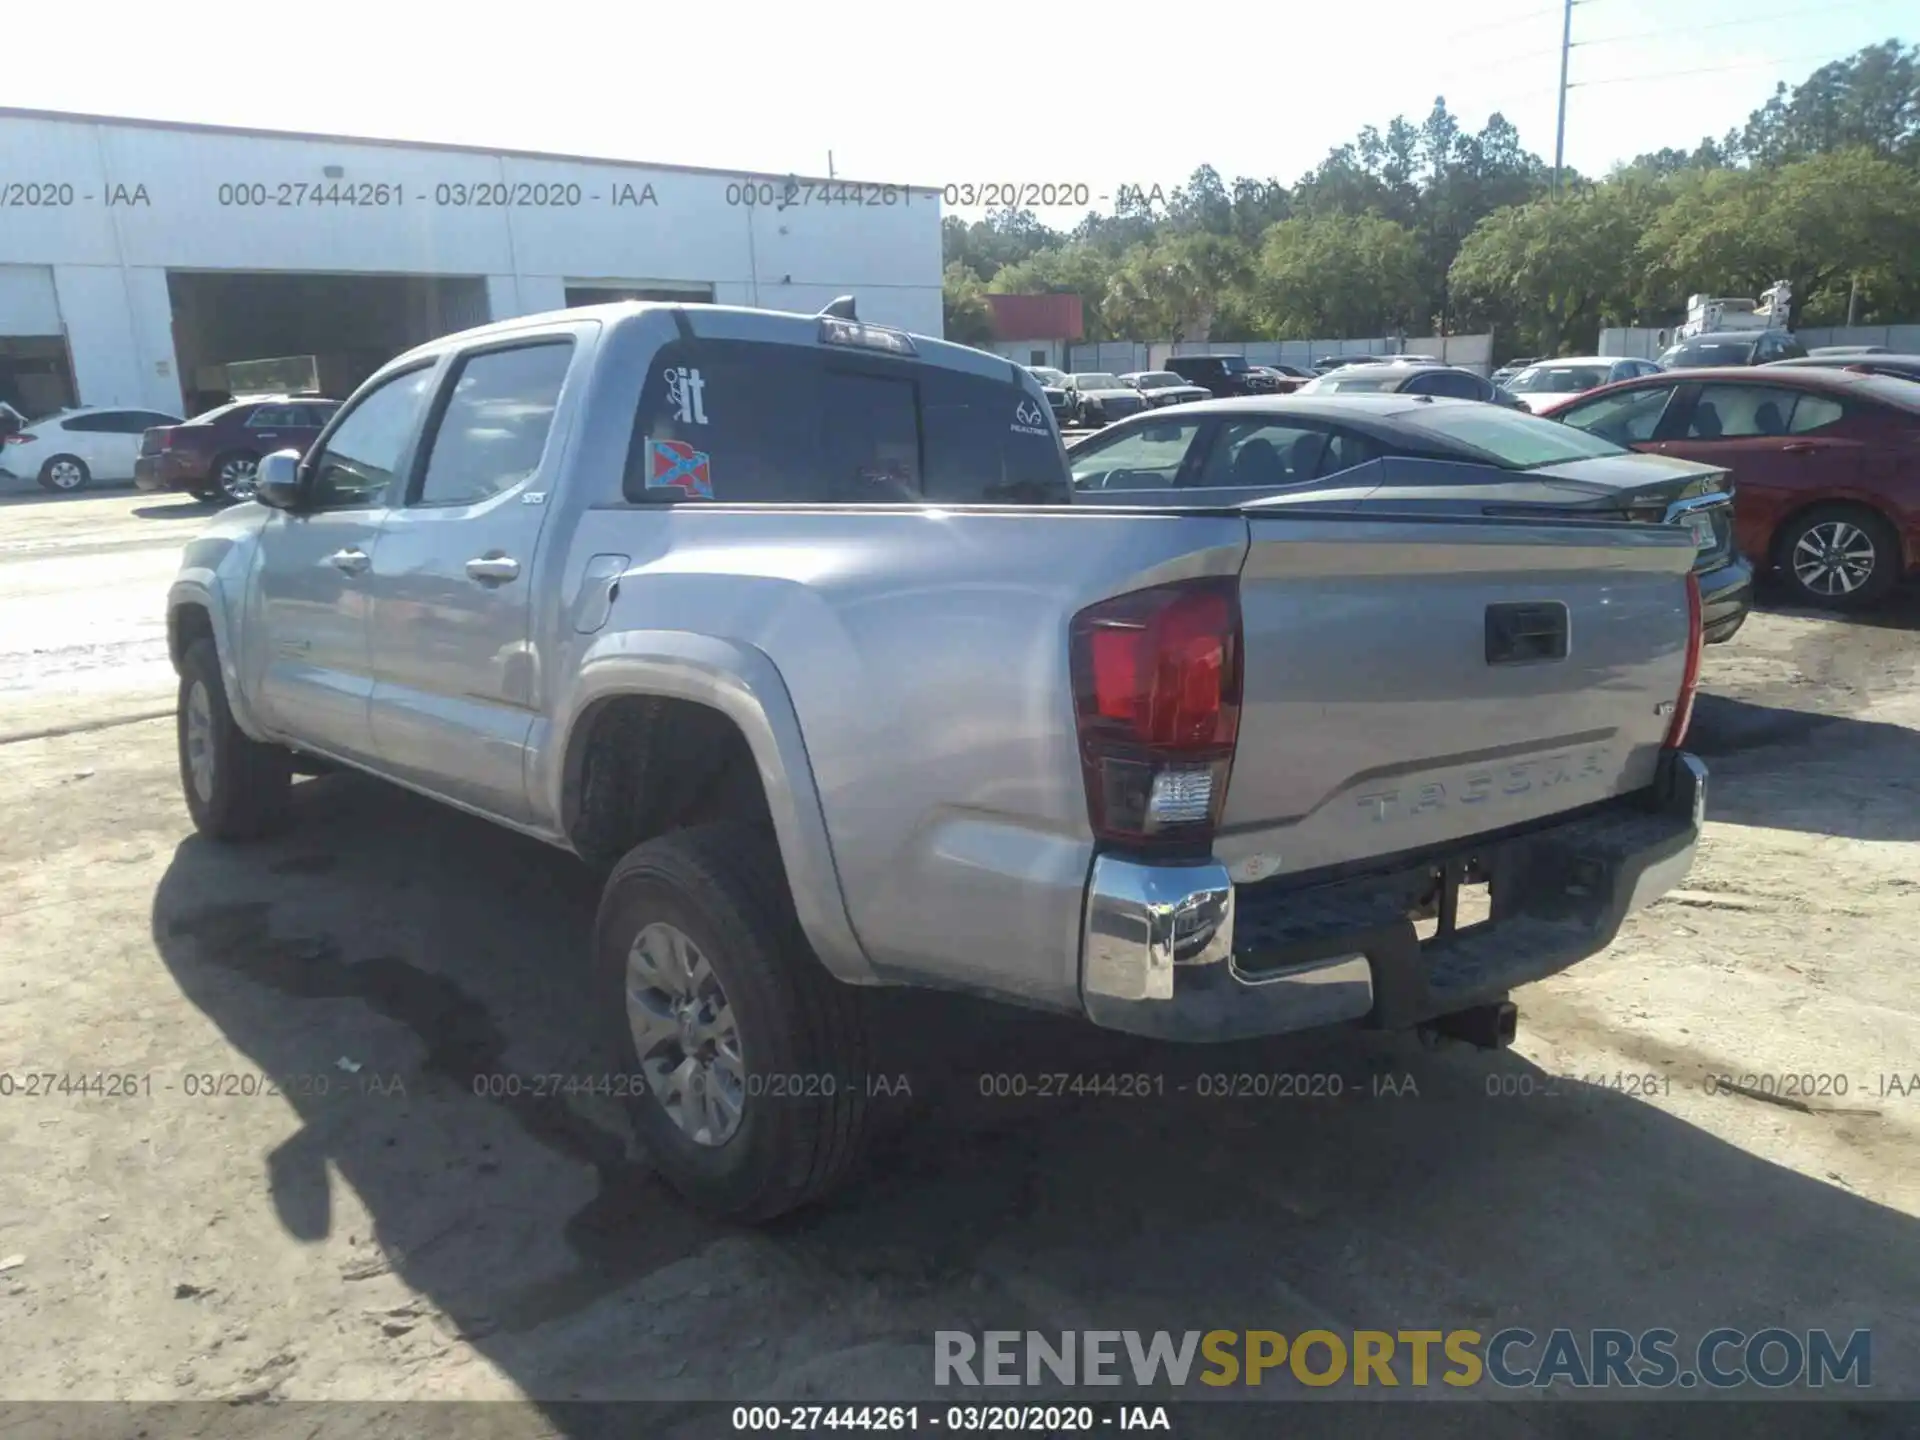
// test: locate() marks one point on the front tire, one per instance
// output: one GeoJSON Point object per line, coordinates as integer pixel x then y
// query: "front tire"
{"type": "Point", "coordinates": [64, 474]}
{"type": "Point", "coordinates": [236, 788]}
{"type": "Point", "coordinates": [748, 1059]}
{"type": "Point", "coordinates": [1839, 557]}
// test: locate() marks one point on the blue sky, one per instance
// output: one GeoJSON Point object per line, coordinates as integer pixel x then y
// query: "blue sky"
{"type": "Point", "coordinates": [1098, 93]}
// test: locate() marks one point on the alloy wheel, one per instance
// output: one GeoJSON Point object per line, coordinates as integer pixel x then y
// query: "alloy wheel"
{"type": "Point", "coordinates": [1833, 559]}
{"type": "Point", "coordinates": [239, 477]}
{"type": "Point", "coordinates": [685, 1035]}
{"type": "Point", "coordinates": [66, 475]}
{"type": "Point", "coordinates": [200, 741]}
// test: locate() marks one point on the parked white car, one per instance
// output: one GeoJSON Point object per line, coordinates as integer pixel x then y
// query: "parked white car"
{"type": "Point", "coordinates": [1548, 382]}
{"type": "Point", "coordinates": [74, 448]}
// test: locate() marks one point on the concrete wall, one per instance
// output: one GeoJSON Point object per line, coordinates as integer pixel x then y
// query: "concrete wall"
{"type": "Point", "coordinates": [124, 203]}
{"type": "Point", "coordinates": [1647, 344]}
{"type": "Point", "coordinates": [1470, 352]}
{"type": "Point", "coordinates": [1021, 352]}
{"type": "Point", "coordinates": [1900, 339]}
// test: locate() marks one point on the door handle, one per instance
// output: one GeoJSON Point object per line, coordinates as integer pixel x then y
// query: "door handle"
{"type": "Point", "coordinates": [353, 562]}
{"type": "Point", "coordinates": [493, 569]}
{"type": "Point", "coordinates": [1798, 447]}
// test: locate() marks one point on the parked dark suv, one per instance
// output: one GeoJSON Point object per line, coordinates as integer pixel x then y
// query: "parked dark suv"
{"type": "Point", "coordinates": [1221, 375]}
{"type": "Point", "coordinates": [1731, 347]}
{"type": "Point", "coordinates": [214, 456]}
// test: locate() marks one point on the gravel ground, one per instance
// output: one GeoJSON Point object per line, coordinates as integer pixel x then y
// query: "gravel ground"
{"type": "Point", "coordinates": [387, 1227]}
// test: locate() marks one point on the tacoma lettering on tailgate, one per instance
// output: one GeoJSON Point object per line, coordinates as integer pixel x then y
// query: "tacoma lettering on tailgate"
{"type": "Point", "coordinates": [1477, 787]}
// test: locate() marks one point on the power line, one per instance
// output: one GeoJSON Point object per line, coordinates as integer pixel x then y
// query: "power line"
{"type": "Point", "coordinates": [1711, 69]}
{"type": "Point", "coordinates": [1723, 24]}
{"type": "Point", "coordinates": [1553, 9]}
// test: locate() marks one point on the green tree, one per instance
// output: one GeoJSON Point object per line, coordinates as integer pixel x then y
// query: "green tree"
{"type": "Point", "coordinates": [1173, 288]}
{"type": "Point", "coordinates": [1550, 273]}
{"type": "Point", "coordinates": [1819, 223]}
{"type": "Point", "coordinates": [1869, 100]}
{"type": "Point", "coordinates": [963, 297]}
{"type": "Point", "coordinates": [1326, 276]}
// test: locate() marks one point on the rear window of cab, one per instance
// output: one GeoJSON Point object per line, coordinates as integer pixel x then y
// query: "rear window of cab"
{"type": "Point", "coordinates": [747, 422]}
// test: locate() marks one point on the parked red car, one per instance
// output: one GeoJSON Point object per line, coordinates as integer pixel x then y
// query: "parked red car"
{"type": "Point", "coordinates": [214, 456]}
{"type": "Point", "coordinates": [1825, 465]}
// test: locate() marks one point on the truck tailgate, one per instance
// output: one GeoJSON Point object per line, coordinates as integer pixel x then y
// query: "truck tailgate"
{"type": "Point", "coordinates": [1410, 683]}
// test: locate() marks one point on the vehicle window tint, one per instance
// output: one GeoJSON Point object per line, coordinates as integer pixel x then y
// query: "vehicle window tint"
{"type": "Point", "coordinates": [1814, 412]}
{"type": "Point", "coordinates": [361, 455]}
{"type": "Point", "coordinates": [1739, 412]}
{"type": "Point", "coordinates": [494, 427]}
{"type": "Point", "coordinates": [273, 417]}
{"type": "Point", "coordinates": [987, 443]}
{"type": "Point", "coordinates": [143, 420]}
{"type": "Point", "coordinates": [1451, 384]}
{"type": "Point", "coordinates": [315, 416]}
{"type": "Point", "coordinates": [88, 424]}
{"type": "Point", "coordinates": [1626, 417]}
{"type": "Point", "coordinates": [756, 423]}
{"type": "Point", "coordinates": [1147, 457]}
{"type": "Point", "coordinates": [1261, 454]}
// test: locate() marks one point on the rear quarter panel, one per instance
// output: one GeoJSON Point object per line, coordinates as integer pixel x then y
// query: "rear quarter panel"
{"type": "Point", "coordinates": [925, 653]}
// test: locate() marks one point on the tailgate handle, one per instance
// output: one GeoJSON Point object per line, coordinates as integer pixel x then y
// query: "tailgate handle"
{"type": "Point", "coordinates": [1526, 632]}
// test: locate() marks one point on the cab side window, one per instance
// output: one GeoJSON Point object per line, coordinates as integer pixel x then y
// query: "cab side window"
{"type": "Point", "coordinates": [364, 452]}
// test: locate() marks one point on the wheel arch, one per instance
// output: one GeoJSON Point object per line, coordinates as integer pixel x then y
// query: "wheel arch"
{"type": "Point", "coordinates": [195, 611]}
{"type": "Point", "coordinates": [715, 689]}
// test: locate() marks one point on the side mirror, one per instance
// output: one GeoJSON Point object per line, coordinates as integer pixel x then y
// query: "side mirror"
{"type": "Point", "coordinates": [277, 482]}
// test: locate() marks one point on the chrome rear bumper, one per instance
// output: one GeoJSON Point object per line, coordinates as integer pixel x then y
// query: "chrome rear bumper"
{"type": "Point", "coordinates": [1177, 952]}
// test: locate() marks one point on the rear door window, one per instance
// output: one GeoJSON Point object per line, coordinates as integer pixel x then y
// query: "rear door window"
{"type": "Point", "coordinates": [749, 423]}
{"type": "Point", "coordinates": [493, 428]}
{"type": "Point", "coordinates": [1626, 417]}
{"type": "Point", "coordinates": [1739, 412]}
{"type": "Point", "coordinates": [1814, 412]}
{"type": "Point", "coordinates": [1451, 384]}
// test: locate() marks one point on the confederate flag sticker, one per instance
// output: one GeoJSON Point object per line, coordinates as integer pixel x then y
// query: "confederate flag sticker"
{"type": "Point", "coordinates": [676, 465]}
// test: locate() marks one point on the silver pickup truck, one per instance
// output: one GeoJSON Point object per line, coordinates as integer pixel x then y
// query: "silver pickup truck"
{"type": "Point", "coordinates": [790, 624]}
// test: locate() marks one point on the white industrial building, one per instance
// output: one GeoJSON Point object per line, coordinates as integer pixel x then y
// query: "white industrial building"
{"type": "Point", "coordinates": [139, 258]}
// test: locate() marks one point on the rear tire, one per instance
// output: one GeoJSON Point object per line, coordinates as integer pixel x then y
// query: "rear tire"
{"type": "Point", "coordinates": [236, 474]}
{"type": "Point", "coordinates": [775, 1118]}
{"type": "Point", "coordinates": [1839, 557]}
{"type": "Point", "coordinates": [236, 788]}
{"type": "Point", "coordinates": [63, 474]}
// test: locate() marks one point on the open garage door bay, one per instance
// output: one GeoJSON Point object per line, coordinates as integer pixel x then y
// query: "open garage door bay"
{"type": "Point", "coordinates": [350, 324]}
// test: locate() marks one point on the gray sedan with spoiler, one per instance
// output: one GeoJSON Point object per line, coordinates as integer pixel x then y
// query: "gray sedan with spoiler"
{"type": "Point", "coordinates": [1412, 455]}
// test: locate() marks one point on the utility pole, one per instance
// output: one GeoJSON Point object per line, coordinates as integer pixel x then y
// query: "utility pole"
{"type": "Point", "coordinates": [830, 160]}
{"type": "Point", "coordinates": [1560, 130]}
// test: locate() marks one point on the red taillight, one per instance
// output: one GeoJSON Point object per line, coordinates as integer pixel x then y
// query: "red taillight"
{"type": "Point", "coordinates": [21, 439]}
{"type": "Point", "coordinates": [1156, 694]}
{"type": "Point", "coordinates": [1690, 677]}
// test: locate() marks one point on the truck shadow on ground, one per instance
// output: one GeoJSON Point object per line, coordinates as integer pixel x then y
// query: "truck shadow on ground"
{"type": "Point", "coordinates": [1400, 1187]}
{"type": "Point", "coordinates": [1790, 769]}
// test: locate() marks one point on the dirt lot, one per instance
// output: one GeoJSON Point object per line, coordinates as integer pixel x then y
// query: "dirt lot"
{"type": "Point", "coordinates": [380, 1231]}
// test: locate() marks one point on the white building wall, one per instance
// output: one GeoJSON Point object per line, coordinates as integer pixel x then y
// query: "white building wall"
{"type": "Point", "coordinates": [132, 201]}
{"type": "Point", "coordinates": [28, 305]}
